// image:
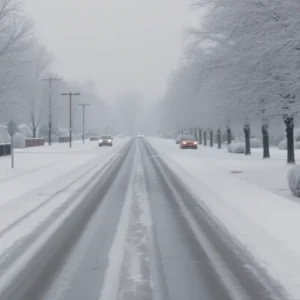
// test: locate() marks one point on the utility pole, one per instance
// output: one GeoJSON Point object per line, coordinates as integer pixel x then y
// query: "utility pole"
{"type": "Point", "coordinates": [50, 79]}
{"type": "Point", "coordinates": [70, 94]}
{"type": "Point", "coordinates": [83, 105]}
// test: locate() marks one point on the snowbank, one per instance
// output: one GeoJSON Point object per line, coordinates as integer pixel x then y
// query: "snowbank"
{"type": "Point", "coordinates": [282, 145]}
{"type": "Point", "coordinates": [19, 141]}
{"type": "Point", "coordinates": [294, 180]}
{"type": "Point", "coordinates": [236, 147]}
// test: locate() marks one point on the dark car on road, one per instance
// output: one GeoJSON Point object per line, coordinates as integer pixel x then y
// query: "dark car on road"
{"type": "Point", "coordinates": [106, 140]}
{"type": "Point", "coordinates": [188, 141]}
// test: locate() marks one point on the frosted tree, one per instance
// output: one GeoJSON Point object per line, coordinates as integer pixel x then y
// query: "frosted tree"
{"type": "Point", "coordinates": [258, 44]}
{"type": "Point", "coordinates": [32, 87]}
{"type": "Point", "coordinates": [97, 113]}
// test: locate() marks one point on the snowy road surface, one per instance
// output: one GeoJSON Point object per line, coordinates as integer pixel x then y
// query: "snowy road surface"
{"type": "Point", "coordinates": [135, 233]}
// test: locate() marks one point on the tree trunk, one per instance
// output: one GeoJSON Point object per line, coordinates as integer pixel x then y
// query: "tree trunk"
{"type": "Point", "coordinates": [205, 138]}
{"type": "Point", "coordinates": [211, 136]}
{"type": "Point", "coordinates": [219, 138]}
{"type": "Point", "coordinates": [266, 144]}
{"type": "Point", "coordinates": [200, 137]}
{"type": "Point", "coordinates": [195, 134]}
{"type": "Point", "coordinates": [289, 123]}
{"type": "Point", "coordinates": [229, 135]}
{"type": "Point", "coordinates": [34, 132]}
{"type": "Point", "coordinates": [247, 139]}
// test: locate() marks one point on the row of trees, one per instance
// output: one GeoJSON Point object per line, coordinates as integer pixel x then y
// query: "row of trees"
{"type": "Point", "coordinates": [242, 66]}
{"type": "Point", "coordinates": [24, 62]}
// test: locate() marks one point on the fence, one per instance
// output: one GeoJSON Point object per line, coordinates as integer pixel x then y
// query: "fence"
{"type": "Point", "coordinates": [34, 142]}
{"type": "Point", "coordinates": [5, 149]}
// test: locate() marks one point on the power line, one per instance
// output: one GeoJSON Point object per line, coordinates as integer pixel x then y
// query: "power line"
{"type": "Point", "coordinates": [50, 80]}
{"type": "Point", "coordinates": [83, 105]}
{"type": "Point", "coordinates": [70, 94]}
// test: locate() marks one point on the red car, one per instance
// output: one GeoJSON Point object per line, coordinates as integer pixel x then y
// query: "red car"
{"type": "Point", "coordinates": [188, 142]}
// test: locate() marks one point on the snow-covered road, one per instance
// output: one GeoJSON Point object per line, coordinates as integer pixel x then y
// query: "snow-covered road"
{"type": "Point", "coordinates": [135, 232]}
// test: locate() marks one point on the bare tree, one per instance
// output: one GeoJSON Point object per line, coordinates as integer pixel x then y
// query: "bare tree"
{"type": "Point", "coordinates": [15, 39]}
{"type": "Point", "coordinates": [31, 88]}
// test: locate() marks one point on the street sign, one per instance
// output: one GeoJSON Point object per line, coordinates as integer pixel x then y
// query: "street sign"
{"type": "Point", "coordinates": [11, 128]}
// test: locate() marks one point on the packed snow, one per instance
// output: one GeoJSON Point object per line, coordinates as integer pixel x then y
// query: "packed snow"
{"type": "Point", "coordinates": [250, 197]}
{"type": "Point", "coordinates": [37, 166]}
{"type": "Point", "coordinates": [124, 277]}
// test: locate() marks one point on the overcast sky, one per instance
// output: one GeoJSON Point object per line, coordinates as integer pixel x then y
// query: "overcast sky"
{"type": "Point", "coordinates": [120, 44]}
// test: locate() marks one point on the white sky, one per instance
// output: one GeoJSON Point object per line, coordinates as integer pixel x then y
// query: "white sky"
{"type": "Point", "coordinates": [119, 44]}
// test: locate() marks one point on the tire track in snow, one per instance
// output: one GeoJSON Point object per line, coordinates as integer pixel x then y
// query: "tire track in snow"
{"type": "Point", "coordinates": [136, 281]}
{"type": "Point", "coordinates": [33, 272]}
{"type": "Point", "coordinates": [128, 275]}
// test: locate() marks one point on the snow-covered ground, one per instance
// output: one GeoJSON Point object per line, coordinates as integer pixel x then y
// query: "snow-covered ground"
{"type": "Point", "coordinates": [37, 166]}
{"type": "Point", "coordinates": [270, 174]}
{"type": "Point", "coordinates": [44, 180]}
{"type": "Point", "coordinates": [250, 197]}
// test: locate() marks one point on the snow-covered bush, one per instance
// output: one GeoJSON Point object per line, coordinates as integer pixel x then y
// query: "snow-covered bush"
{"type": "Point", "coordinates": [255, 143]}
{"type": "Point", "coordinates": [25, 130]}
{"type": "Point", "coordinates": [294, 180]}
{"type": "Point", "coordinates": [63, 131]}
{"type": "Point", "coordinates": [236, 148]}
{"type": "Point", "coordinates": [297, 145]}
{"type": "Point", "coordinates": [19, 140]}
{"type": "Point", "coordinates": [282, 145]}
{"type": "Point", "coordinates": [297, 134]}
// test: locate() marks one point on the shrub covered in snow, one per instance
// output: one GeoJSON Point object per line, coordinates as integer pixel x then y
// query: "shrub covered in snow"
{"type": "Point", "coordinates": [25, 130]}
{"type": "Point", "coordinates": [294, 180]}
{"type": "Point", "coordinates": [63, 131]}
{"type": "Point", "coordinates": [19, 140]}
{"type": "Point", "coordinates": [236, 147]}
{"type": "Point", "coordinates": [255, 143]}
{"type": "Point", "coordinates": [282, 145]}
{"type": "Point", "coordinates": [297, 145]}
{"type": "Point", "coordinates": [297, 134]}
